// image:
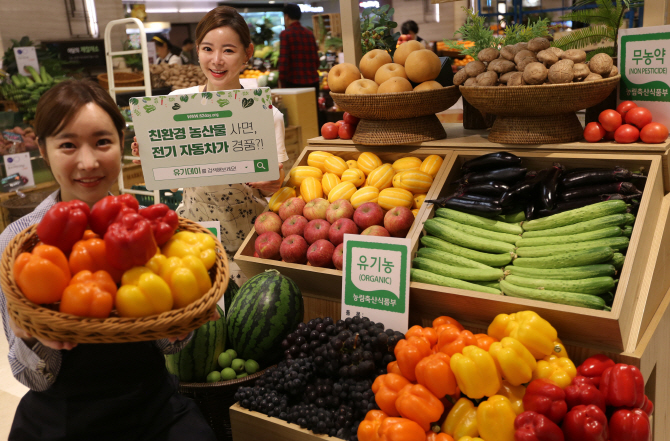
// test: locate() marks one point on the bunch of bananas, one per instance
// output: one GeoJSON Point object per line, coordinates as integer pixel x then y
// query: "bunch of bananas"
{"type": "Point", "coordinates": [26, 91]}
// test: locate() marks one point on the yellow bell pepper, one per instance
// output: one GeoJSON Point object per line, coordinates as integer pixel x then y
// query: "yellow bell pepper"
{"type": "Point", "coordinates": [514, 394]}
{"type": "Point", "coordinates": [185, 243]}
{"type": "Point", "coordinates": [495, 419]}
{"type": "Point", "coordinates": [142, 293]}
{"type": "Point", "coordinates": [476, 372]}
{"type": "Point", "coordinates": [513, 360]}
{"type": "Point", "coordinates": [187, 277]}
{"type": "Point", "coordinates": [560, 370]}
{"type": "Point", "coordinates": [461, 420]}
{"type": "Point", "coordinates": [534, 332]}
{"type": "Point", "coordinates": [559, 349]}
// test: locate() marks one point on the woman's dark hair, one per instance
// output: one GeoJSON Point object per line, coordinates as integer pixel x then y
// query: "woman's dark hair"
{"type": "Point", "coordinates": [187, 41]}
{"type": "Point", "coordinates": [409, 25]}
{"type": "Point", "coordinates": [60, 104]}
{"type": "Point", "coordinates": [223, 16]}
{"type": "Point", "coordinates": [293, 11]}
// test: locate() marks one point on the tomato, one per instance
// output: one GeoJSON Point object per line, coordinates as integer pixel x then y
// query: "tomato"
{"type": "Point", "coordinates": [349, 118]}
{"type": "Point", "coordinates": [624, 107]}
{"type": "Point", "coordinates": [638, 116]}
{"type": "Point", "coordinates": [653, 133]}
{"type": "Point", "coordinates": [610, 120]}
{"type": "Point", "coordinates": [594, 132]}
{"type": "Point", "coordinates": [609, 136]}
{"type": "Point", "coordinates": [339, 124]}
{"type": "Point", "coordinates": [626, 134]}
{"type": "Point", "coordinates": [347, 131]}
{"type": "Point", "coordinates": [329, 130]}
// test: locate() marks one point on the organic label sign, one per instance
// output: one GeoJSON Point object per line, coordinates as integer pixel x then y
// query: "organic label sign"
{"type": "Point", "coordinates": [376, 279]}
{"type": "Point", "coordinates": [209, 138]}
{"type": "Point", "coordinates": [26, 56]}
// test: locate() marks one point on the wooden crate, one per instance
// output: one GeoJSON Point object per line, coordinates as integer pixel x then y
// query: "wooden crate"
{"type": "Point", "coordinates": [331, 23]}
{"type": "Point", "coordinates": [322, 282]}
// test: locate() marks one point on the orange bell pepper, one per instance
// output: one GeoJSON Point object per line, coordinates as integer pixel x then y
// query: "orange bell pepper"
{"type": "Point", "coordinates": [446, 320]}
{"type": "Point", "coordinates": [409, 352]}
{"type": "Point", "coordinates": [452, 340]}
{"type": "Point", "coordinates": [485, 341]}
{"type": "Point", "coordinates": [432, 436]}
{"type": "Point", "coordinates": [43, 274]}
{"type": "Point", "coordinates": [392, 368]}
{"type": "Point", "coordinates": [369, 427]}
{"type": "Point", "coordinates": [427, 333]}
{"type": "Point", "coordinates": [435, 374]}
{"type": "Point", "coordinates": [386, 389]}
{"type": "Point", "coordinates": [400, 429]}
{"type": "Point", "coordinates": [418, 404]}
{"type": "Point", "coordinates": [90, 254]}
{"type": "Point", "coordinates": [89, 295]}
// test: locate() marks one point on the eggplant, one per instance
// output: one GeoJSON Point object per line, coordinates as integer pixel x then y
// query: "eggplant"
{"type": "Point", "coordinates": [530, 211]}
{"type": "Point", "coordinates": [524, 189]}
{"type": "Point", "coordinates": [582, 177]}
{"type": "Point", "coordinates": [491, 161]}
{"type": "Point", "coordinates": [549, 185]}
{"type": "Point", "coordinates": [579, 203]}
{"type": "Point", "coordinates": [479, 208]}
{"type": "Point", "coordinates": [625, 188]}
{"type": "Point", "coordinates": [490, 188]}
{"type": "Point", "coordinates": [509, 174]}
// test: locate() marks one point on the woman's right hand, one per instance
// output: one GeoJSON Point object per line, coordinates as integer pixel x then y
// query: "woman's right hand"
{"type": "Point", "coordinates": [136, 150]}
{"type": "Point", "coordinates": [30, 340]}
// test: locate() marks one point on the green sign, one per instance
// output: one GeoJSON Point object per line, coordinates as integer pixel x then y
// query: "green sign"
{"type": "Point", "coordinates": [645, 58]}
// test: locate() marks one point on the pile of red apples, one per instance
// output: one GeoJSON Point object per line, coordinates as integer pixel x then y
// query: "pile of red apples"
{"type": "Point", "coordinates": [313, 233]}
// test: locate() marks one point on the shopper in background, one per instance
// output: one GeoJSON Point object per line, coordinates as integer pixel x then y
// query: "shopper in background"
{"type": "Point", "coordinates": [298, 54]}
{"type": "Point", "coordinates": [224, 46]}
{"type": "Point", "coordinates": [412, 29]}
{"type": "Point", "coordinates": [187, 51]}
{"type": "Point", "coordinates": [90, 391]}
{"type": "Point", "coordinates": [165, 52]}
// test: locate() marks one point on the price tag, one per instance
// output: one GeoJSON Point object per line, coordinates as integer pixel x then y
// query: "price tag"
{"type": "Point", "coordinates": [26, 56]}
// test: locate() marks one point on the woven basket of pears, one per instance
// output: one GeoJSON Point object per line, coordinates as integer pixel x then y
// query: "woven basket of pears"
{"type": "Point", "coordinates": [46, 322]}
{"type": "Point", "coordinates": [398, 118]}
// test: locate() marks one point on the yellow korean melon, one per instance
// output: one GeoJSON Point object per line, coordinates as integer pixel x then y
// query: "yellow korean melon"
{"type": "Point", "coordinates": [414, 181]}
{"type": "Point", "coordinates": [335, 165]}
{"type": "Point", "coordinates": [343, 190]}
{"type": "Point", "coordinates": [363, 195]}
{"type": "Point", "coordinates": [408, 163]}
{"type": "Point", "coordinates": [310, 189]}
{"type": "Point", "coordinates": [316, 158]}
{"type": "Point", "coordinates": [298, 174]}
{"type": "Point", "coordinates": [368, 161]}
{"type": "Point", "coordinates": [329, 181]}
{"type": "Point", "coordinates": [431, 165]}
{"type": "Point", "coordinates": [381, 177]}
{"type": "Point", "coordinates": [354, 175]}
{"type": "Point", "coordinates": [352, 163]}
{"type": "Point", "coordinates": [418, 199]}
{"type": "Point", "coordinates": [394, 197]}
{"type": "Point", "coordinates": [280, 196]}
{"type": "Point", "coordinates": [415, 212]}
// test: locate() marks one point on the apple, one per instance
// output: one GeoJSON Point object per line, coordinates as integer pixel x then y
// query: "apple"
{"type": "Point", "coordinates": [290, 207]}
{"type": "Point", "coordinates": [338, 256]}
{"type": "Point", "coordinates": [294, 225]}
{"type": "Point", "coordinates": [256, 254]}
{"type": "Point", "coordinates": [398, 221]}
{"type": "Point", "coordinates": [267, 245]}
{"type": "Point", "coordinates": [315, 230]}
{"type": "Point", "coordinates": [268, 221]}
{"type": "Point", "coordinates": [346, 131]}
{"type": "Point", "coordinates": [350, 119]}
{"type": "Point", "coordinates": [376, 230]}
{"type": "Point", "coordinates": [320, 253]}
{"type": "Point", "coordinates": [339, 209]}
{"type": "Point", "coordinates": [340, 228]}
{"type": "Point", "coordinates": [315, 209]}
{"type": "Point", "coordinates": [293, 249]}
{"type": "Point", "coordinates": [368, 214]}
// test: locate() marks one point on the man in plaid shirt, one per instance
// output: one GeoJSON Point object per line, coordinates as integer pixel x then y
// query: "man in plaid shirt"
{"type": "Point", "coordinates": [299, 54]}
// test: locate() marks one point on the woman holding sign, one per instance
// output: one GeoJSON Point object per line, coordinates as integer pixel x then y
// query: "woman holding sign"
{"type": "Point", "coordinates": [224, 46]}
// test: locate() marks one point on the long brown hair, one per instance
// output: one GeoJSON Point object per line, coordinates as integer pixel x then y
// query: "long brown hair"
{"type": "Point", "coordinates": [223, 16]}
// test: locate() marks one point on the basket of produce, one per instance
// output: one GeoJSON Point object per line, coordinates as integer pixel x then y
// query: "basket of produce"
{"type": "Point", "coordinates": [122, 79]}
{"type": "Point", "coordinates": [75, 286]}
{"type": "Point", "coordinates": [177, 76]}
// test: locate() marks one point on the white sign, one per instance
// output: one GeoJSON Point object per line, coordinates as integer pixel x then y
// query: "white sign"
{"type": "Point", "coordinates": [209, 138]}
{"type": "Point", "coordinates": [26, 56]}
{"type": "Point", "coordinates": [151, 52]}
{"type": "Point", "coordinates": [214, 227]}
{"type": "Point", "coordinates": [375, 279]}
{"type": "Point", "coordinates": [19, 172]}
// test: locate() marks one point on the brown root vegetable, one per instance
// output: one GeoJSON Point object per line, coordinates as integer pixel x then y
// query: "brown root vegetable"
{"type": "Point", "coordinates": [535, 73]}
{"type": "Point", "coordinates": [501, 66]}
{"type": "Point", "coordinates": [521, 66]}
{"type": "Point", "coordinates": [516, 79]}
{"type": "Point", "coordinates": [576, 55]}
{"type": "Point", "coordinates": [488, 54]}
{"type": "Point", "coordinates": [580, 71]}
{"type": "Point", "coordinates": [561, 72]}
{"type": "Point", "coordinates": [556, 50]}
{"type": "Point", "coordinates": [601, 64]}
{"type": "Point", "coordinates": [521, 46]}
{"type": "Point", "coordinates": [593, 77]}
{"type": "Point", "coordinates": [488, 78]}
{"type": "Point", "coordinates": [538, 44]}
{"type": "Point", "coordinates": [508, 52]}
{"type": "Point", "coordinates": [505, 77]}
{"type": "Point", "coordinates": [547, 57]}
{"type": "Point", "coordinates": [470, 82]}
{"type": "Point", "coordinates": [614, 72]}
{"type": "Point", "coordinates": [474, 68]}
{"type": "Point", "coordinates": [460, 77]}
{"type": "Point", "coordinates": [524, 53]}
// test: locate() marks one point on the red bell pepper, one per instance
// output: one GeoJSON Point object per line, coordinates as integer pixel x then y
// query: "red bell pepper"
{"type": "Point", "coordinates": [546, 398]}
{"type": "Point", "coordinates": [623, 386]}
{"type": "Point", "coordinates": [531, 426]}
{"type": "Point", "coordinates": [582, 391]}
{"type": "Point", "coordinates": [647, 406]}
{"type": "Point", "coordinates": [64, 224]}
{"type": "Point", "coordinates": [129, 242]}
{"type": "Point", "coordinates": [630, 425]}
{"type": "Point", "coordinates": [593, 368]}
{"type": "Point", "coordinates": [585, 423]}
{"type": "Point", "coordinates": [164, 222]}
{"type": "Point", "coordinates": [111, 209]}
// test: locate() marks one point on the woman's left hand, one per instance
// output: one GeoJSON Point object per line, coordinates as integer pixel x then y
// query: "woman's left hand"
{"type": "Point", "coordinates": [269, 187]}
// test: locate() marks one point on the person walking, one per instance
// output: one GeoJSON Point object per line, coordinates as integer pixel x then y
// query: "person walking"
{"type": "Point", "coordinates": [298, 53]}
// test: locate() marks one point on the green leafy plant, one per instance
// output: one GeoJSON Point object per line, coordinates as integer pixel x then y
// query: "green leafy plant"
{"type": "Point", "coordinates": [262, 32]}
{"type": "Point", "coordinates": [376, 30]}
{"type": "Point", "coordinates": [46, 57]}
{"type": "Point", "coordinates": [133, 61]}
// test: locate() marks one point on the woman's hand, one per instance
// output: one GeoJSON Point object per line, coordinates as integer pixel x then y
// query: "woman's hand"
{"type": "Point", "coordinates": [136, 150]}
{"type": "Point", "coordinates": [30, 340]}
{"type": "Point", "coordinates": [269, 187]}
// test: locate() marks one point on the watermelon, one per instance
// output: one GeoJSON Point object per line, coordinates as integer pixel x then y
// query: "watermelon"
{"type": "Point", "coordinates": [200, 356]}
{"type": "Point", "coordinates": [231, 292]}
{"type": "Point", "coordinates": [266, 309]}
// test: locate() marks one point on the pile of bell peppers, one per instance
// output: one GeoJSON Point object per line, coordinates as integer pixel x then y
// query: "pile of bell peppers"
{"type": "Point", "coordinates": [115, 256]}
{"type": "Point", "coordinates": [514, 383]}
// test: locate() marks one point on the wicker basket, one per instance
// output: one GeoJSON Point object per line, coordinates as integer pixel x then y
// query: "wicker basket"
{"type": "Point", "coordinates": [50, 324]}
{"type": "Point", "coordinates": [215, 399]}
{"type": "Point", "coordinates": [122, 79]}
{"type": "Point", "coordinates": [17, 207]}
{"type": "Point", "coordinates": [398, 118]}
{"type": "Point", "coordinates": [538, 114]}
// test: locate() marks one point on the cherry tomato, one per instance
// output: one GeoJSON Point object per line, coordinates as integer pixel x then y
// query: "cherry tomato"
{"type": "Point", "coordinates": [654, 133]}
{"type": "Point", "coordinates": [638, 116]}
{"type": "Point", "coordinates": [610, 120]}
{"type": "Point", "coordinates": [349, 118]}
{"type": "Point", "coordinates": [609, 136]}
{"type": "Point", "coordinates": [624, 107]}
{"type": "Point", "coordinates": [626, 134]}
{"type": "Point", "coordinates": [594, 132]}
{"type": "Point", "coordinates": [347, 131]}
{"type": "Point", "coordinates": [329, 130]}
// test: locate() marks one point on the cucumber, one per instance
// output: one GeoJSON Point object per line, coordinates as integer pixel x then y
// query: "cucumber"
{"type": "Point", "coordinates": [616, 243]}
{"type": "Point", "coordinates": [470, 274]}
{"type": "Point", "coordinates": [573, 238]}
{"type": "Point", "coordinates": [564, 298]}
{"type": "Point", "coordinates": [478, 221]}
{"type": "Point", "coordinates": [630, 219]}
{"type": "Point", "coordinates": [570, 217]}
{"type": "Point", "coordinates": [567, 259]}
{"type": "Point", "coordinates": [574, 273]}
{"type": "Point", "coordinates": [417, 275]}
{"type": "Point", "coordinates": [627, 231]}
{"type": "Point", "coordinates": [617, 260]}
{"type": "Point", "coordinates": [513, 218]}
{"type": "Point", "coordinates": [593, 285]}
{"type": "Point", "coordinates": [466, 240]}
{"type": "Point", "coordinates": [449, 258]}
{"type": "Point", "coordinates": [613, 220]}
{"type": "Point", "coordinates": [493, 260]}
{"type": "Point", "coordinates": [494, 285]}
{"type": "Point", "coordinates": [479, 232]}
